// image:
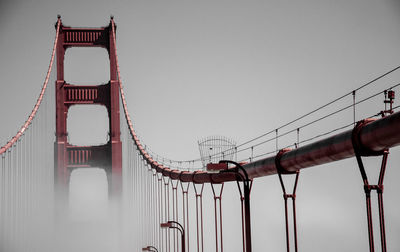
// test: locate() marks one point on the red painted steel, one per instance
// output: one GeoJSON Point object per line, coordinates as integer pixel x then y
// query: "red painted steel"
{"type": "Point", "coordinates": [292, 196]}
{"type": "Point", "coordinates": [88, 156]}
{"type": "Point", "coordinates": [361, 151]}
{"type": "Point", "coordinates": [375, 135]}
{"type": "Point", "coordinates": [86, 37]}
{"type": "Point", "coordinates": [198, 189]}
{"type": "Point", "coordinates": [39, 100]}
{"type": "Point", "coordinates": [87, 94]}
{"type": "Point", "coordinates": [108, 156]}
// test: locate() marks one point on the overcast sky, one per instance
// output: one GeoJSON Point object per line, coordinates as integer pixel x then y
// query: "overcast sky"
{"type": "Point", "coordinates": [191, 69]}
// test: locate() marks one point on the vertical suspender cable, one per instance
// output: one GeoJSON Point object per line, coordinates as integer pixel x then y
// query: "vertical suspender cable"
{"type": "Point", "coordinates": [185, 212]}
{"type": "Point", "coordinates": [2, 197]}
{"type": "Point", "coordinates": [2, 186]}
{"type": "Point", "coordinates": [217, 190]}
{"type": "Point", "coordinates": [160, 210]}
{"type": "Point", "coordinates": [155, 209]}
{"type": "Point", "coordinates": [174, 185]}
{"type": "Point", "coordinates": [166, 209]}
{"type": "Point", "coordinates": [199, 215]}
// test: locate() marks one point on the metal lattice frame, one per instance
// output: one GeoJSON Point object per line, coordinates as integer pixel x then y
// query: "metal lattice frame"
{"type": "Point", "coordinates": [215, 148]}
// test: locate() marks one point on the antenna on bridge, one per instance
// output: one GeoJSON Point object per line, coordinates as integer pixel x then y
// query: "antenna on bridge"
{"type": "Point", "coordinates": [215, 148]}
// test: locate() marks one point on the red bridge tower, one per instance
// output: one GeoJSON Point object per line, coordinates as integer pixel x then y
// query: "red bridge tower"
{"type": "Point", "coordinates": [109, 155]}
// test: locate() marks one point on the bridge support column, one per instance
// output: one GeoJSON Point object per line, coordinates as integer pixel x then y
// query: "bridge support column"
{"type": "Point", "coordinates": [217, 190]}
{"type": "Point", "coordinates": [116, 145]}
{"type": "Point", "coordinates": [360, 151]}
{"type": "Point", "coordinates": [198, 189]}
{"type": "Point", "coordinates": [281, 171]}
{"type": "Point", "coordinates": [185, 212]}
{"type": "Point", "coordinates": [67, 156]}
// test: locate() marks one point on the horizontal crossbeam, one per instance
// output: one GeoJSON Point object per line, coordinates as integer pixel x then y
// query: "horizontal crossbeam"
{"type": "Point", "coordinates": [75, 94]}
{"type": "Point", "coordinates": [82, 37]}
{"type": "Point", "coordinates": [88, 156]}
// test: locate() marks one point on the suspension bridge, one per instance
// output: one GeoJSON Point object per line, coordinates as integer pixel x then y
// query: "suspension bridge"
{"type": "Point", "coordinates": [153, 194]}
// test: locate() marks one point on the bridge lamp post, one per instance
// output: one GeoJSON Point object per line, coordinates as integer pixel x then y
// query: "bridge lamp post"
{"type": "Point", "coordinates": [176, 225]}
{"type": "Point", "coordinates": [246, 188]}
{"type": "Point", "coordinates": [150, 248]}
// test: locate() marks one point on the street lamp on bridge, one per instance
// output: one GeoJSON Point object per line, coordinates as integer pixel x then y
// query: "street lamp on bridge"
{"type": "Point", "coordinates": [176, 225]}
{"type": "Point", "coordinates": [246, 190]}
{"type": "Point", "coordinates": [150, 248]}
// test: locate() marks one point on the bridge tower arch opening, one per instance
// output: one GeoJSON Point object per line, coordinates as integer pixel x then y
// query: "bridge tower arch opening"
{"type": "Point", "coordinates": [107, 156]}
{"type": "Point", "coordinates": [86, 65]}
{"type": "Point", "coordinates": [88, 130]}
{"type": "Point", "coordinates": [88, 194]}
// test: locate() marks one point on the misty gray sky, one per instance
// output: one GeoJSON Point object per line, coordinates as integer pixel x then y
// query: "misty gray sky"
{"type": "Point", "coordinates": [236, 68]}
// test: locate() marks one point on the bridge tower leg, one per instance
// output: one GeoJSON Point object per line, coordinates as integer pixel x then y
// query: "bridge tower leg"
{"type": "Point", "coordinates": [109, 155]}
